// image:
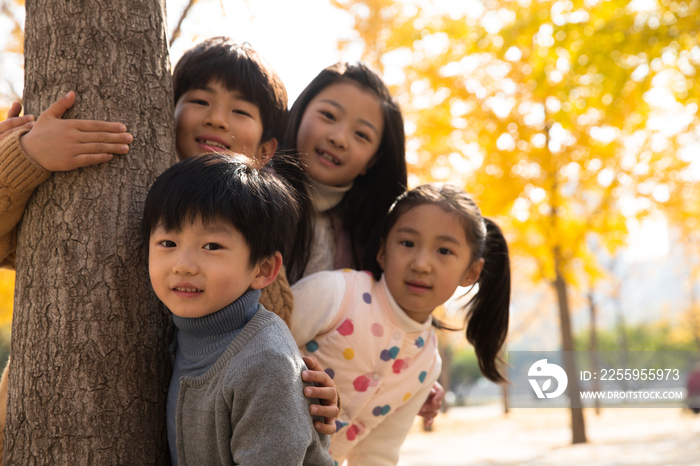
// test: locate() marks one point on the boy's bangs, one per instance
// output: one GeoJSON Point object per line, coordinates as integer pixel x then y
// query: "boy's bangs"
{"type": "Point", "coordinates": [178, 219]}
{"type": "Point", "coordinates": [244, 78]}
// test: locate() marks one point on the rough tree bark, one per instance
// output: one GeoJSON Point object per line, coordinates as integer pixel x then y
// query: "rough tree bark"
{"type": "Point", "coordinates": [90, 369]}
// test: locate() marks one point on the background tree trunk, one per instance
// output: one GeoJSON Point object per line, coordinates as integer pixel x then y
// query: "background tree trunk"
{"type": "Point", "coordinates": [578, 426]}
{"type": "Point", "coordinates": [90, 369]}
{"type": "Point", "coordinates": [593, 346]}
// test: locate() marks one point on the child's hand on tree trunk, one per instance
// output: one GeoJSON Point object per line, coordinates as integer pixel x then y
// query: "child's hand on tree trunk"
{"type": "Point", "coordinates": [14, 122]}
{"type": "Point", "coordinates": [62, 145]}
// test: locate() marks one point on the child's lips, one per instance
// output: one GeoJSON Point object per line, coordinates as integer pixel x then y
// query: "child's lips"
{"type": "Point", "coordinates": [211, 143]}
{"type": "Point", "coordinates": [328, 158]}
{"type": "Point", "coordinates": [186, 290]}
{"type": "Point", "coordinates": [418, 286]}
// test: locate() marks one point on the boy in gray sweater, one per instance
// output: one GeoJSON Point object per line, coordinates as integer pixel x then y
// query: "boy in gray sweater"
{"type": "Point", "coordinates": [216, 229]}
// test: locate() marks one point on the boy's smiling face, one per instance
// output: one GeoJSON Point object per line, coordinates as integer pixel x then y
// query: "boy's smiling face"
{"type": "Point", "coordinates": [200, 269]}
{"type": "Point", "coordinates": [214, 119]}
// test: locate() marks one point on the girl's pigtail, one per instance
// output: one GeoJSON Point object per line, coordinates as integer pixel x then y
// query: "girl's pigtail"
{"type": "Point", "coordinates": [488, 309]}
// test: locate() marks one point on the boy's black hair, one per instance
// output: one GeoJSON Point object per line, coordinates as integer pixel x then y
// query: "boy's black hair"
{"type": "Point", "coordinates": [219, 187]}
{"type": "Point", "coordinates": [239, 68]}
{"type": "Point", "coordinates": [362, 209]}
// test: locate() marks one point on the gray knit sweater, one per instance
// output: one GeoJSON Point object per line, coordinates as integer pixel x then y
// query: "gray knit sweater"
{"type": "Point", "coordinates": [249, 409]}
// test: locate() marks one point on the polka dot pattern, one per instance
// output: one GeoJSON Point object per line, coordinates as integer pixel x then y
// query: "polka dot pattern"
{"type": "Point", "coordinates": [377, 330]}
{"type": "Point", "coordinates": [398, 362]}
{"type": "Point", "coordinates": [381, 410]}
{"type": "Point", "coordinates": [361, 383]}
{"type": "Point", "coordinates": [352, 433]}
{"type": "Point", "coordinates": [312, 346]}
{"type": "Point", "coordinates": [346, 328]}
{"type": "Point", "coordinates": [339, 425]}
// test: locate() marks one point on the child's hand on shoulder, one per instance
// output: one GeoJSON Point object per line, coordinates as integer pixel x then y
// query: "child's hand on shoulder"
{"type": "Point", "coordinates": [325, 391]}
{"type": "Point", "coordinates": [14, 122]}
{"type": "Point", "coordinates": [62, 145]}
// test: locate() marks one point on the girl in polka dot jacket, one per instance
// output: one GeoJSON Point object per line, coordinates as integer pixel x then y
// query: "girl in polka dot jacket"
{"type": "Point", "coordinates": [374, 331]}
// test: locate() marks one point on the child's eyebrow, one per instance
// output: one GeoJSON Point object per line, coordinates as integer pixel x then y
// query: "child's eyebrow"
{"type": "Point", "coordinates": [446, 238]}
{"type": "Point", "coordinates": [407, 230]}
{"type": "Point", "coordinates": [342, 109]}
{"type": "Point", "coordinates": [236, 94]}
{"type": "Point", "coordinates": [449, 239]}
{"type": "Point", "coordinates": [218, 228]}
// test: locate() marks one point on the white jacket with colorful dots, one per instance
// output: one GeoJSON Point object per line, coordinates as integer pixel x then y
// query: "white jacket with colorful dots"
{"type": "Point", "coordinates": [382, 362]}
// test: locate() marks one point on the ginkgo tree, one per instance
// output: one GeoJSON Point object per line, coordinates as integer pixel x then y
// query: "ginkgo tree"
{"type": "Point", "coordinates": [563, 118]}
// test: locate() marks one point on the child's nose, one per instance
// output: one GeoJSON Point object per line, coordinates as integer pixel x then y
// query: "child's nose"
{"type": "Point", "coordinates": [216, 118]}
{"type": "Point", "coordinates": [421, 262]}
{"type": "Point", "coordinates": [337, 137]}
{"type": "Point", "coordinates": [185, 265]}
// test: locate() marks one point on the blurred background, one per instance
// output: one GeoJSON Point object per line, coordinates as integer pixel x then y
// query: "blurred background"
{"type": "Point", "coordinates": [575, 125]}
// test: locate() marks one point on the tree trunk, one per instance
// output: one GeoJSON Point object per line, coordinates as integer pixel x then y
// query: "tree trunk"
{"type": "Point", "coordinates": [578, 428]}
{"type": "Point", "coordinates": [621, 326]}
{"type": "Point", "coordinates": [90, 369]}
{"type": "Point", "coordinates": [593, 347]}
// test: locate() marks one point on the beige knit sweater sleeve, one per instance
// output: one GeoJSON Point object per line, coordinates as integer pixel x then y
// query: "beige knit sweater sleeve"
{"type": "Point", "coordinates": [19, 176]}
{"type": "Point", "coordinates": [277, 297]}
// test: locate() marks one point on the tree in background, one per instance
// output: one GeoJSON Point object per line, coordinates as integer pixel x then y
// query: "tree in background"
{"type": "Point", "coordinates": [563, 118]}
{"type": "Point", "coordinates": [90, 367]}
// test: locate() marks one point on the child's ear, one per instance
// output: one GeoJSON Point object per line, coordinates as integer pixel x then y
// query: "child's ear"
{"type": "Point", "coordinates": [381, 255]}
{"type": "Point", "coordinates": [267, 270]}
{"type": "Point", "coordinates": [265, 152]}
{"type": "Point", "coordinates": [473, 273]}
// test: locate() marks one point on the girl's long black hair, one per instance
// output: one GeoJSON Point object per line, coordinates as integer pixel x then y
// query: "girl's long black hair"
{"type": "Point", "coordinates": [362, 209]}
{"type": "Point", "coordinates": [487, 311]}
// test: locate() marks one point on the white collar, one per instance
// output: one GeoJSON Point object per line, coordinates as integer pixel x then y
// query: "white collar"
{"type": "Point", "coordinates": [325, 197]}
{"type": "Point", "coordinates": [407, 324]}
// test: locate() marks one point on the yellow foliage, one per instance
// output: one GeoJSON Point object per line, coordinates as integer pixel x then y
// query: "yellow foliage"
{"type": "Point", "coordinates": [7, 291]}
{"type": "Point", "coordinates": [531, 107]}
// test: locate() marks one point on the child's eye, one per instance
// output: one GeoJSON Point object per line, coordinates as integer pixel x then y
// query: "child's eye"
{"type": "Point", "coordinates": [327, 114]}
{"type": "Point", "coordinates": [212, 246]}
{"type": "Point", "coordinates": [444, 251]}
{"type": "Point", "coordinates": [242, 112]}
{"type": "Point", "coordinates": [166, 243]}
{"type": "Point", "coordinates": [406, 243]}
{"type": "Point", "coordinates": [362, 135]}
{"type": "Point", "coordinates": [200, 102]}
